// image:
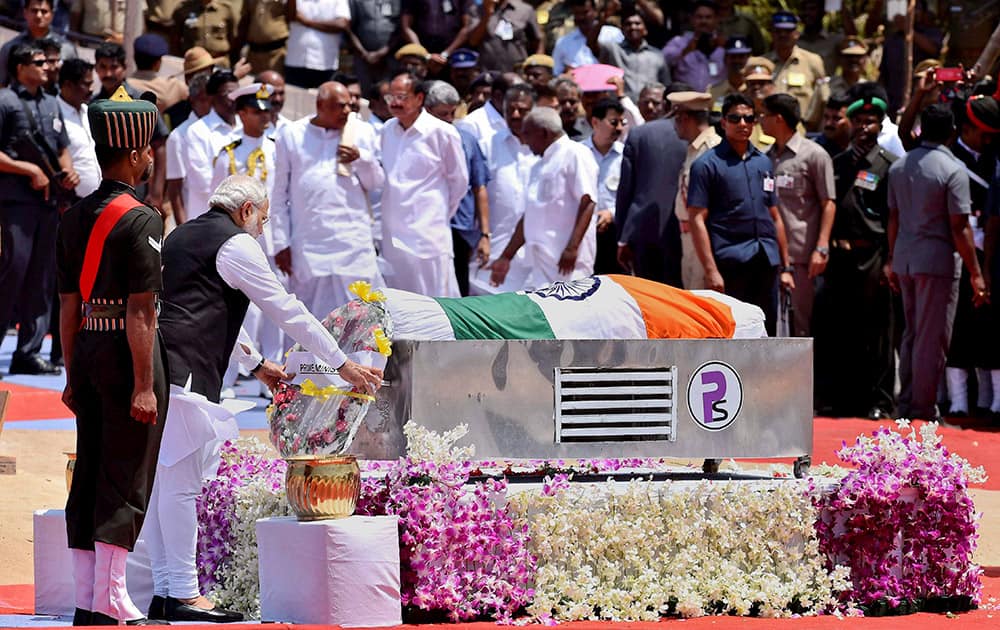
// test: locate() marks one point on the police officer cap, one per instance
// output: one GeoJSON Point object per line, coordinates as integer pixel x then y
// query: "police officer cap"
{"type": "Point", "coordinates": [256, 95]}
{"type": "Point", "coordinates": [784, 20]}
{"type": "Point", "coordinates": [758, 69]}
{"type": "Point", "coordinates": [544, 61]}
{"type": "Point", "coordinates": [851, 46]}
{"type": "Point", "coordinates": [737, 45]}
{"type": "Point", "coordinates": [150, 45]}
{"type": "Point", "coordinates": [412, 50]}
{"type": "Point", "coordinates": [120, 122]}
{"type": "Point", "coordinates": [690, 101]}
{"type": "Point", "coordinates": [463, 58]}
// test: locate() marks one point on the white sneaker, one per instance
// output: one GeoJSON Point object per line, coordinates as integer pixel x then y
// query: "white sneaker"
{"type": "Point", "coordinates": [265, 392]}
{"type": "Point", "coordinates": [228, 392]}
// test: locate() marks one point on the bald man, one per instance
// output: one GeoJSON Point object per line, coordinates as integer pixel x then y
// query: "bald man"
{"type": "Point", "coordinates": [325, 168]}
{"type": "Point", "coordinates": [276, 81]}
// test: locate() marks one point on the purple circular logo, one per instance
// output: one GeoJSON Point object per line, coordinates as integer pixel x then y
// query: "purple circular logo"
{"type": "Point", "coordinates": [715, 396]}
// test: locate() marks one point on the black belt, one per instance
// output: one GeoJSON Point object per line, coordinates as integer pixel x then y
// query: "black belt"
{"type": "Point", "coordinates": [267, 47]}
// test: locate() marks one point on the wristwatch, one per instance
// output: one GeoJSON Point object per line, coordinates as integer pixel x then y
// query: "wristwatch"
{"type": "Point", "coordinates": [259, 365]}
{"type": "Point", "coordinates": [486, 234]}
{"type": "Point", "coordinates": [788, 269]}
{"type": "Point", "coordinates": [823, 251]}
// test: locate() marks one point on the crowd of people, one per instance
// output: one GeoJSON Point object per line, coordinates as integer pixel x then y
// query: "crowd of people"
{"type": "Point", "coordinates": [462, 147]}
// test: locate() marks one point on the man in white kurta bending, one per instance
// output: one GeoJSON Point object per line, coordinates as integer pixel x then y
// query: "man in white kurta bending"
{"type": "Point", "coordinates": [322, 225]}
{"type": "Point", "coordinates": [426, 178]}
{"type": "Point", "coordinates": [213, 268]}
{"type": "Point", "coordinates": [557, 226]}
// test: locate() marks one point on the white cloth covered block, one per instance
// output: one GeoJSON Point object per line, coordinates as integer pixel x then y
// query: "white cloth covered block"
{"type": "Point", "coordinates": [342, 572]}
{"type": "Point", "coordinates": [54, 590]}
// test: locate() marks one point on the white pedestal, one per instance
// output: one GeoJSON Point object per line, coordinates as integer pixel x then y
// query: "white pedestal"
{"type": "Point", "coordinates": [54, 587]}
{"type": "Point", "coordinates": [342, 572]}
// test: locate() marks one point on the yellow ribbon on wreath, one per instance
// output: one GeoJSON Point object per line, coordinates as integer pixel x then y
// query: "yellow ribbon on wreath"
{"type": "Point", "coordinates": [308, 388]}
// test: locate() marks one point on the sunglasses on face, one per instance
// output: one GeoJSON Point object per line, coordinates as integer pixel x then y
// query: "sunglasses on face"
{"type": "Point", "coordinates": [747, 118]}
{"type": "Point", "coordinates": [38, 62]}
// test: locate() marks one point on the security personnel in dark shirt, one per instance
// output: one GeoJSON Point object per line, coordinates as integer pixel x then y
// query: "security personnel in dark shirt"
{"type": "Point", "coordinates": [735, 225]}
{"type": "Point", "coordinates": [109, 277]}
{"type": "Point", "coordinates": [33, 144]}
{"type": "Point", "coordinates": [855, 310]}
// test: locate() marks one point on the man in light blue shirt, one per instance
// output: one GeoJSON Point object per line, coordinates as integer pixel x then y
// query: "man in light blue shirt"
{"type": "Point", "coordinates": [608, 121]}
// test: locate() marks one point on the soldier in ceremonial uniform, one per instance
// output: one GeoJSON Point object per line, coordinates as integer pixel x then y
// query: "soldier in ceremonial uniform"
{"type": "Point", "coordinates": [854, 309]}
{"type": "Point", "coordinates": [109, 278]}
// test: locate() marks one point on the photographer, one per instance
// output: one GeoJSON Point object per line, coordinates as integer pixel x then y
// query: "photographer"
{"type": "Point", "coordinates": [35, 168]}
{"type": "Point", "coordinates": [697, 57]}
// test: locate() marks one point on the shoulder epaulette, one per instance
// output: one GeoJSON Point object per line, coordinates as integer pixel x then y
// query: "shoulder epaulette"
{"type": "Point", "coordinates": [227, 149]}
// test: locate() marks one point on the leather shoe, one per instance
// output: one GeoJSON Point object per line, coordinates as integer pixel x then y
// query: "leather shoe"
{"type": "Point", "coordinates": [83, 617]}
{"type": "Point", "coordinates": [33, 365]}
{"type": "Point", "coordinates": [877, 413]}
{"type": "Point", "coordinates": [157, 607]}
{"type": "Point", "coordinates": [179, 611]}
{"type": "Point", "coordinates": [100, 619]}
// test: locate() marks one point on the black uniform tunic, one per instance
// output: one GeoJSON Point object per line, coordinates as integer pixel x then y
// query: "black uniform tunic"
{"type": "Point", "coordinates": [975, 342]}
{"type": "Point", "coordinates": [855, 310]}
{"type": "Point", "coordinates": [116, 454]}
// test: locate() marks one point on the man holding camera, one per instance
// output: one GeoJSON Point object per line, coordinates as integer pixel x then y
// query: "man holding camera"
{"type": "Point", "coordinates": [35, 168]}
{"type": "Point", "coordinates": [697, 58]}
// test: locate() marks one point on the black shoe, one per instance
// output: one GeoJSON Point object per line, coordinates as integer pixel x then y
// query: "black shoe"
{"type": "Point", "coordinates": [83, 617]}
{"type": "Point", "coordinates": [100, 619]}
{"type": "Point", "coordinates": [57, 361]}
{"type": "Point", "coordinates": [176, 610]}
{"type": "Point", "coordinates": [34, 365]}
{"type": "Point", "coordinates": [157, 607]}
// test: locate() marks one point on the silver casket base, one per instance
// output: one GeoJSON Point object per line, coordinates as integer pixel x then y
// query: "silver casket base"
{"type": "Point", "coordinates": [698, 398]}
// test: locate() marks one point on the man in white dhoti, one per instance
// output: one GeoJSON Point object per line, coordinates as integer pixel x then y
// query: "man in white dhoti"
{"type": "Point", "coordinates": [322, 222]}
{"type": "Point", "coordinates": [509, 162]}
{"type": "Point", "coordinates": [426, 178]}
{"type": "Point", "coordinates": [557, 227]}
{"type": "Point", "coordinates": [213, 267]}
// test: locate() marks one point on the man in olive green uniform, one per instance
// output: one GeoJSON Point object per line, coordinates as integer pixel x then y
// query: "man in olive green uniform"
{"type": "Point", "coordinates": [796, 70]}
{"type": "Point", "coordinates": [211, 24]}
{"type": "Point", "coordinates": [264, 28]}
{"type": "Point", "coordinates": [854, 308]}
{"type": "Point", "coordinates": [737, 55]}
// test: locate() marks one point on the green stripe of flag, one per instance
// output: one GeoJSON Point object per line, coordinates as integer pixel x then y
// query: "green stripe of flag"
{"type": "Point", "coordinates": [502, 316]}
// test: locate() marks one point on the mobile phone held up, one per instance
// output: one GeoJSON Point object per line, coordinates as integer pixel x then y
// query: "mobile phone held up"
{"type": "Point", "coordinates": [948, 75]}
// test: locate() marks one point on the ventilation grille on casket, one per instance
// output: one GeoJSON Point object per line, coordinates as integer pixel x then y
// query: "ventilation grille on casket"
{"type": "Point", "coordinates": [615, 405]}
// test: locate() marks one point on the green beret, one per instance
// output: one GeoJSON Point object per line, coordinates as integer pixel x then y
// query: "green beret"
{"type": "Point", "coordinates": [121, 122]}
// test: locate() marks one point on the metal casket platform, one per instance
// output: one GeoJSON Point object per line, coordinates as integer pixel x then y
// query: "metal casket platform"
{"type": "Point", "coordinates": [698, 398]}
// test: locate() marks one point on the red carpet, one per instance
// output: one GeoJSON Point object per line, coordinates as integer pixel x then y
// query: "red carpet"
{"type": "Point", "coordinates": [34, 403]}
{"type": "Point", "coordinates": [19, 599]}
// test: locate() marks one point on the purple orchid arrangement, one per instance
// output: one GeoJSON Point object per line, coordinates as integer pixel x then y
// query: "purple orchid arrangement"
{"type": "Point", "coordinates": [216, 506]}
{"type": "Point", "coordinates": [904, 522]}
{"type": "Point", "coordinates": [461, 552]}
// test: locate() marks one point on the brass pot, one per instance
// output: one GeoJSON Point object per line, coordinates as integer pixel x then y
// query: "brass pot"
{"type": "Point", "coordinates": [70, 467]}
{"type": "Point", "coordinates": [322, 486]}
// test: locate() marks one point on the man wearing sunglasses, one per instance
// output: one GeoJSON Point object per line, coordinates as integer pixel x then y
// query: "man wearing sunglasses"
{"type": "Point", "coordinates": [734, 220]}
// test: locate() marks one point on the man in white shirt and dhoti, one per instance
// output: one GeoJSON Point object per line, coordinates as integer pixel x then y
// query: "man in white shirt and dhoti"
{"type": "Point", "coordinates": [213, 268]}
{"type": "Point", "coordinates": [557, 227]}
{"type": "Point", "coordinates": [426, 178]}
{"type": "Point", "coordinates": [510, 163]}
{"type": "Point", "coordinates": [322, 224]}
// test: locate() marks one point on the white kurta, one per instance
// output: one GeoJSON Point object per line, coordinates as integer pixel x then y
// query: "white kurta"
{"type": "Point", "coordinates": [201, 143]}
{"type": "Point", "coordinates": [510, 164]}
{"type": "Point", "coordinates": [312, 48]}
{"type": "Point", "coordinates": [81, 147]}
{"type": "Point", "coordinates": [565, 174]}
{"type": "Point", "coordinates": [324, 217]}
{"type": "Point", "coordinates": [483, 123]}
{"type": "Point", "coordinates": [426, 178]}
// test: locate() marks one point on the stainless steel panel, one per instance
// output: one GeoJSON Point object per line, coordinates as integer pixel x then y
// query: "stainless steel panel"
{"type": "Point", "coordinates": [504, 391]}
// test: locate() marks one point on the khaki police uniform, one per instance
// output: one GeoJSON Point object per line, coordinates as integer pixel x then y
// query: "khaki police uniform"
{"type": "Point", "coordinates": [212, 26]}
{"type": "Point", "coordinates": [798, 75]}
{"type": "Point", "coordinates": [266, 34]}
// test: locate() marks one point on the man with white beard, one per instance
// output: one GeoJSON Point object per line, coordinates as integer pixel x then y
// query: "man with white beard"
{"type": "Point", "coordinates": [322, 225]}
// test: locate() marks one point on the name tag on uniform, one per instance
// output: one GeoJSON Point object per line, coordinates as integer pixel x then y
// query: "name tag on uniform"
{"type": "Point", "coordinates": [505, 30]}
{"type": "Point", "coordinates": [796, 79]}
{"type": "Point", "coordinates": [866, 180]}
{"type": "Point", "coordinates": [386, 9]}
{"type": "Point", "coordinates": [713, 68]}
{"type": "Point", "coordinates": [447, 6]}
{"type": "Point", "coordinates": [768, 183]}
{"type": "Point", "coordinates": [57, 125]}
{"type": "Point", "coordinates": [785, 181]}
